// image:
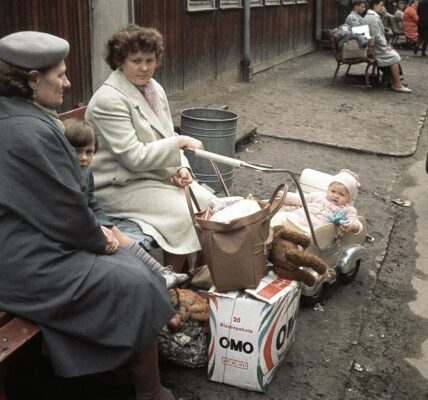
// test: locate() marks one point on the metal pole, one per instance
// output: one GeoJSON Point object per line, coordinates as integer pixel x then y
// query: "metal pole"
{"type": "Point", "coordinates": [246, 62]}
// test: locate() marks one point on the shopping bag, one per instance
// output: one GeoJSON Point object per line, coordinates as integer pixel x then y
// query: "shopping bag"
{"type": "Point", "coordinates": [236, 252]}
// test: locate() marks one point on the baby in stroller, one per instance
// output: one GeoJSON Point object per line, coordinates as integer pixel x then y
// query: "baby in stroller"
{"type": "Point", "coordinates": [334, 205]}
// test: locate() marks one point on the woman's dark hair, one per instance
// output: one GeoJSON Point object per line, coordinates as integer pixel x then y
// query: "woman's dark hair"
{"type": "Point", "coordinates": [130, 40]}
{"type": "Point", "coordinates": [372, 3]}
{"type": "Point", "coordinates": [358, 2]}
{"type": "Point", "coordinates": [80, 133]}
{"type": "Point", "coordinates": [14, 81]}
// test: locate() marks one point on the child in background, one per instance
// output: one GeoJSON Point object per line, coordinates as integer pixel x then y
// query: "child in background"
{"type": "Point", "coordinates": [324, 207]}
{"type": "Point", "coordinates": [82, 137]}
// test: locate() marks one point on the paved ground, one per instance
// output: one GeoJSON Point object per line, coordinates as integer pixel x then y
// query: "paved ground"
{"type": "Point", "coordinates": [297, 101]}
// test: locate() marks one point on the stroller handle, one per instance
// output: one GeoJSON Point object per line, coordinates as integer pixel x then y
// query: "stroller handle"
{"type": "Point", "coordinates": [262, 168]}
{"type": "Point", "coordinates": [216, 157]}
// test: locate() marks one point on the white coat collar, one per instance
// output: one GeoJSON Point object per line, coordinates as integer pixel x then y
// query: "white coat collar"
{"type": "Point", "coordinates": [118, 80]}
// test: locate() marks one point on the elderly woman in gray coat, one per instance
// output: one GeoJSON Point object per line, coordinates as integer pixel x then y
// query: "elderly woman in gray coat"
{"type": "Point", "coordinates": [97, 312]}
{"type": "Point", "coordinates": [140, 169]}
{"type": "Point", "coordinates": [385, 55]}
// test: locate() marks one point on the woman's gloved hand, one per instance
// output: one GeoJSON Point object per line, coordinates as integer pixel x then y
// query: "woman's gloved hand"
{"type": "Point", "coordinates": [183, 177]}
{"type": "Point", "coordinates": [187, 142]}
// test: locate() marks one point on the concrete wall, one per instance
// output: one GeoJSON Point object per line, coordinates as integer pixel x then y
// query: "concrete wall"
{"type": "Point", "coordinates": [108, 16]}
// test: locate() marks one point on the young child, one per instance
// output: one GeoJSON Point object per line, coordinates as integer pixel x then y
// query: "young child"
{"type": "Point", "coordinates": [324, 207]}
{"type": "Point", "coordinates": [82, 137]}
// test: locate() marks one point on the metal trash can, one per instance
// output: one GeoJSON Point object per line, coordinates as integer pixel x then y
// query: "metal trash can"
{"type": "Point", "coordinates": [216, 129]}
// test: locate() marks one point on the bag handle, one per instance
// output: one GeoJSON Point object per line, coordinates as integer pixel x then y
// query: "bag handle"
{"type": "Point", "coordinates": [188, 192]}
{"type": "Point", "coordinates": [275, 205]}
{"type": "Point", "coordinates": [220, 178]}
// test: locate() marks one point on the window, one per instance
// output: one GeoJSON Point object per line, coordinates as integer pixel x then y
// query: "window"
{"type": "Point", "coordinates": [230, 3]}
{"type": "Point", "coordinates": [272, 2]}
{"type": "Point", "coordinates": [200, 5]}
{"type": "Point", "coordinates": [256, 3]}
{"type": "Point", "coordinates": [288, 1]}
{"type": "Point", "coordinates": [301, 1]}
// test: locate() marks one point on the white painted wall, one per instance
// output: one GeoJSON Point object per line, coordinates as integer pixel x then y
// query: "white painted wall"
{"type": "Point", "coordinates": [108, 16]}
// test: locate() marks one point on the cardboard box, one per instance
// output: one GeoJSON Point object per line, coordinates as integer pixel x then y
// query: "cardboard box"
{"type": "Point", "coordinates": [251, 332]}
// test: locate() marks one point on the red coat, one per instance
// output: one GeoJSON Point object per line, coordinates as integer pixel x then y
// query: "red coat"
{"type": "Point", "coordinates": [410, 23]}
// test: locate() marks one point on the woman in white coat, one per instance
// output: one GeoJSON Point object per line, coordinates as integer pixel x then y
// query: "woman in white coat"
{"type": "Point", "coordinates": [140, 169]}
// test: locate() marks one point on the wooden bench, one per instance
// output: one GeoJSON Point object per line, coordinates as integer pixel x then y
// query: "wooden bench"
{"type": "Point", "coordinates": [369, 60]}
{"type": "Point", "coordinates": [16, 332]}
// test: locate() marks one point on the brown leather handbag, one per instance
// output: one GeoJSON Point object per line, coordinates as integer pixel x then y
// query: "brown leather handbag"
{"type": "Point", "coordinates": [236, 252]}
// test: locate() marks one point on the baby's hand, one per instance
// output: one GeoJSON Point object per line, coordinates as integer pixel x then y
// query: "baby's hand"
{"type": "Point", "coordinates": [348, 227]}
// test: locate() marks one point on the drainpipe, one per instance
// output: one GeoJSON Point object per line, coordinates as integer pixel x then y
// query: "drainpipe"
{"type": "Point", "coordinates": [318, 20]}
{"type": "Point", "coordinates": [246, 61]}
{"type": "Point", "coordinates": [131, 13]}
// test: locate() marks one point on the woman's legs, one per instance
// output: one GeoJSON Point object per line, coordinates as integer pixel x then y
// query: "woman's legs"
{"type": "Point", "coordinates": [424, 47]}
{"type": "Point", "coordinates": [176, 261]}
{"type": "Point", "coordinates": [144, 372]}
{"type": "Point", "coordinates": [395, 76]}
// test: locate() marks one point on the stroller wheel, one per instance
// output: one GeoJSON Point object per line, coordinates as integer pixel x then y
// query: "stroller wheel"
{"type": "Point", "coordinates": [310, 301]}
{"type": "Point", "coordinates": [350, 276]}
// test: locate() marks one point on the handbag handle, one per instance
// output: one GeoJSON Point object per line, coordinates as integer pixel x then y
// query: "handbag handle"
{"type": "Point", "coordinates": [273, 204]}
{"type": "Point", "coordinates": [188, 192]}
{"type": "Point", "coordinates": [273, 208]}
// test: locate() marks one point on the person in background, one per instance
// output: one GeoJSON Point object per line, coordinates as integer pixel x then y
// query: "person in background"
{"type": "Point", "coordinates": [399, 13]}
{"type": "Point", "coordinates": [82, 137]}
{"type": "Point", "coordinates": [410, 24]}
{"type": "Point", "coordinates": [386, 57]}
{"type": "Point", "coordinates": [356, 16]}
{"type": "Point", "coordinates": [423, 26]}
{"type": "Point", "coordinates": [97, 311]}
{"type": "Point", "coordinates": [140, 170]}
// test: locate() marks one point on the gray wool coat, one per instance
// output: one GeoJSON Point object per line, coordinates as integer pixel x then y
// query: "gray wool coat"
{"type": "Point", "coordinates": [96, 312]}
{"type": "Point", "coordinates": [384, 54]}
{"type": "Point", "coordinates": [138, 154]}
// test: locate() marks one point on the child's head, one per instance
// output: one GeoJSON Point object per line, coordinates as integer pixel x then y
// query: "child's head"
{"type": "Point", "coordinates": [82, 137]}
{"type": "Point", "coordinates": [343, 187]}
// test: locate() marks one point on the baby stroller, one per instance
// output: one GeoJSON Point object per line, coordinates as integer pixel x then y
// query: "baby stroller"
{"type": "Point", "coordinates": [343, 254]}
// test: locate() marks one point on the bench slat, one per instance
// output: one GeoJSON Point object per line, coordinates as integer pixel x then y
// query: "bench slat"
{"type": "Point", "coordinates": [4, 318]}
{"type": "Point", "coordinates": [15, 334]}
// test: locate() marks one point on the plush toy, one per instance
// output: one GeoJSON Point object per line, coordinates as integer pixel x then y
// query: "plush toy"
{"type": "Point", "coordinates": [189, 306]}
{"type": "Point", "coordinates": [291, 260]}
{"type": "Point", "coordinates": [338, 218]}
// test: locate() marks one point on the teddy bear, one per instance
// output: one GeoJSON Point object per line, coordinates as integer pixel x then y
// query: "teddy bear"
{"type": "Point", "coordinates": [291, 260]}
{"type": "Point", "coordinates": [189, 305]}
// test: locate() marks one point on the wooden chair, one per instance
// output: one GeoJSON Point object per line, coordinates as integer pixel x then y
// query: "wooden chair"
{"type": "Point", "coordinates": [396, 30]}
{"type": "Point", "coordinates": [369, 60]}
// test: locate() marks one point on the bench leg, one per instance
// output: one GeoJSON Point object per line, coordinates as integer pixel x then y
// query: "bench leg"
{"type": "Point", "coordinates": [2, 384]}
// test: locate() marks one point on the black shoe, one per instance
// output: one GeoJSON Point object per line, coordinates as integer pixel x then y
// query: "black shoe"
{"type": "Point", "coordinates": [415, 50]}
{"type": "Point", "coordinates": [424, 54]}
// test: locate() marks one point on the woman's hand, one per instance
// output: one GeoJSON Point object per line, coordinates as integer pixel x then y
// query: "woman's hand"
{"type": "Point", "coordinates": [182, 178]}
{"type": "Point", "coordinates": [187, 142]}
{"type": "Point", "coordinates": [112, 242]}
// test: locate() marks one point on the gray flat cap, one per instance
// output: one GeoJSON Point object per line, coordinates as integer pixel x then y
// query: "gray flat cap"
{"type": "Point", "coordinates": [33, 50]}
